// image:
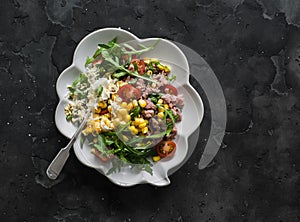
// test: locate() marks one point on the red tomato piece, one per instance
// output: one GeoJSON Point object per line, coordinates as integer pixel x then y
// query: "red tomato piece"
{"type": "Point", "coordinates": [128, 92]}
{"type": "Point", "coordinates": [166, 148]}
{"type": "Point", "coordinates": [141, 66]}
{"type": "Point", "coordinates": [170, 89]}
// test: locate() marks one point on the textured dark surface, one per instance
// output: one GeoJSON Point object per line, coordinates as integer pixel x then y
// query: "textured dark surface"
{"type": "Point", "coordinates": [254, 49]}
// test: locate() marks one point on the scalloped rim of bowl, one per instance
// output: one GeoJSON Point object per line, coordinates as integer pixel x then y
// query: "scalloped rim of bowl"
{"type": "Point", "coordinates": [71, 73]}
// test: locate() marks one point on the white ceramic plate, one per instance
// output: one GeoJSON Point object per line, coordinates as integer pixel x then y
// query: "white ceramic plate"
{"type": "Point", "coordinates": [192, 112]}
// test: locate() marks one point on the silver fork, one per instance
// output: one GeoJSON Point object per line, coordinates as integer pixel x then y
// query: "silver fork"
{"type": "Point", "coordinates": [60, 159]}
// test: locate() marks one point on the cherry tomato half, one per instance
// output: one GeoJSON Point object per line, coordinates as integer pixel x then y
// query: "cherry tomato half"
{"type": "Point", "coordinates": [141, 66]}
{"type": "Point", "coordinates": [166, 148]}
{"type": "Point", "coordinates": [128, 92]}
{"type": "Point", "coordinates": [170, 89]}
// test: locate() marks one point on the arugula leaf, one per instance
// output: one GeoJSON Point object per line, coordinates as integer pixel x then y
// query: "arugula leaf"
{"type": "Point", "coordinates": [69, 117]}
{"type": "Point", "coordinates": [81, 78]}
{"type": "Point", "coordinates": [89, 60]}
{"type": "Point", "coordinates": [99, 91]}
{"type": "Point", "coordinates": [145, 49]}
{"type": "Point", "coordinates": [82, 139]}
{"type": "Point", "coordinates": [119, 74]}
{"type": "Point", "coordinates": [170, 79]}
{"type": "Point", "coordinates": [154, 97]}
{"type": "Point", "coordinates": [135, 112]}
{"type": "Point", "coordinates": [110, 44]}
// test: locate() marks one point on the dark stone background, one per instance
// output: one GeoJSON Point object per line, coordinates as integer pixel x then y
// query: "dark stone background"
{"type": "Point", "coordinates": [254, 49]}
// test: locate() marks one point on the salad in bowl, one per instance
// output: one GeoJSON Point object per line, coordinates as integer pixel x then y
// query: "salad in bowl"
{"type": "Point", "coordinates": [135, 99]}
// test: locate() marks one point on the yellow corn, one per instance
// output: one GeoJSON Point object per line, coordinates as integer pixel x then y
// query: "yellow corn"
{"type": "Point", "coordinates": [166, 106]}
{"type": "Point", "coordinates": [138, 121]}
{"type": "Point", "coordinates": [109, 108]}
{"type": "Point", "coordinates": [98, 110]}
{"type": "Point", "coordinates": [95, 140]}
{"type": "Point", "coordinates": [130, 106]}
{"type": "Point", "coordinates": [167, 69]}
{"type": "Point", "coordinates": [124, 104]}
{"type": "Point", "coordinates": [134, 130]}
{"type": "Point", "coordinates": [145, 130]}
{"type": "Point", "coordinates": [149, 72]}
{"type": "Point", "coordinates": [142, 103]}
{"type": "Point", "coordinates": [156, 158]}
{"type": "Point", "coordinates": [123, 112]}
{"type": "Point", "coordinates": [113, 96]}
{"type": "Point", "coordinates": [102, 105]}
{"type": "Point", "coordinates": [141, 126]}
{"type": "Point", "coordinates": [160, 115]}
{"type": "Point", "coordinates": [135, 103]}
{"type": "Point", "coordinates": [146, 60]}
{"type": "Point", "coordinates": [160, 67]}
{"type": "Point", "coordinates": [127, 118]}
{"type": "Point", "coordinates": [160, 101]}
{"type": "Point", "coordinates": [153, 85]}
{"type": "Point", "coordinates": [160, 109]}
{"type": "Point", "coordinates": [107, 122]}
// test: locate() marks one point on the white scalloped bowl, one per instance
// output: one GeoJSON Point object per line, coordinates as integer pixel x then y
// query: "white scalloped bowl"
{"type": "Point", "coordinates": [192, 112]}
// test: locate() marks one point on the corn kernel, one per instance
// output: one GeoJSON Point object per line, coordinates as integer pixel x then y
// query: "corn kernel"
{"type": "Point", "coordinates": [95, 140]}
{"type": "Point", "coordinates": [124, 105]}
{"type": "Point", "coordinates": [153, 85]}
{"type": "Point", "coordinates": [161, 109]}
{"type": "Point", "coordinates": [160, 67]}
{"type": "Point", "coordinates": [123, 112]}
{"type": "Point", "coordinates": [135, 103]}
{"type": "Point", "coordinates": [107, 115]}
{"type": "Point", "coordinates": [138, 121]}
{"type": "Point", "coordinates": [127, 118]}
{"type": "Point", "coordinates": [142, 103]}
{"type": "Point", "coordinates": [146, 60]}
{"type": "Point", "coordinates": [113, 96]}
{"type": "Point", "coordinates": [107, 122]}
{"type": "Point", "coordinates": [134, 130]}
{"type": "Point", "coordinates": [98, 110]}
{"type": "Point", "coordinates": [160, 101]}
{"type": "Point", "coordinates": [145, 130]}
{"type": "Point", "coordinates": [166, 106]}
{"type": "Point", "coordinates": [102, 105]}
{"type": "Point", "coordinates": [156, 158]}
{"type": "Point", "coordinates": [167, 69]}
{"type": "Point", "coordinates": [149, 72]}
{"type": "Point", "coordinates": [130, 106]}
{"type": "Point", "coordinates": [141, 126]}
{"type": "Point", "coordinates": [109, 108]}
{"type": "Point", "coordinates": [160, 115]}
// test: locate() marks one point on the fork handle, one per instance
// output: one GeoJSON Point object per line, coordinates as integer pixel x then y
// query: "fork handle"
{"type": "Point", "coordinates": [58, 163]}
